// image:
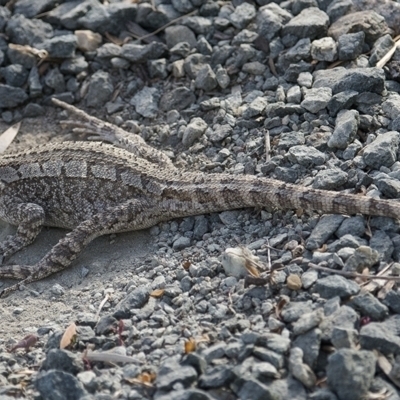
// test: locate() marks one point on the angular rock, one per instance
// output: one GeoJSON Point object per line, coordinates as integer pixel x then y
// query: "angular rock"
{"type": "Point", "coordinates": [350, 373]}
{"type": "Point", "coordinates": [347, 123]}
{"type": "Point", "coordinates": [368, 21]}
{"type": "Point", "coordinates": [357, 79]}
{"type": "Point", "coordinates": [336, 285]}
{"type": "Point", "coordinates": [311, 22]}
{"type": "Point", "coordinates": [382, 151]}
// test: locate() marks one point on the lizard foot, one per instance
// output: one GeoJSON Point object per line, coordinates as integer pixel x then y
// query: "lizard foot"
{"type": "Point", "coordinates": [24, 272]}
{"type": "Point", "coordinates": [91, 131]}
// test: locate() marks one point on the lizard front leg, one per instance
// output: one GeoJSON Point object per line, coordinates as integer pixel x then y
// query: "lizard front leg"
{"type": "Point", "coordinates": [30, 218]}
{"type": "Point", "coordinates": [120, 218]}
{"type": "Point", "coordinates": [101, 130]}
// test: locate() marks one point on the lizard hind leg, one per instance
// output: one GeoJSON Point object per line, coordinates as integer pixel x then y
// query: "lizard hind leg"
{"type": "Point", "coordinates": [116, 219]}
{"type": "Point", "coordinates": [30, 218]}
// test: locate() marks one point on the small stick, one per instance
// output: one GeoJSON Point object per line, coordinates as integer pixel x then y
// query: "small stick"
{"type": "Point", "coordinates": [353, 274]}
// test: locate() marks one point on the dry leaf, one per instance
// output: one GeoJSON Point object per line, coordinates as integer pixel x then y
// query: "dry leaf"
{"type": "Point", "coordinates": [383, 61]}
{"type": "Point", "coordinates": [190, 346]}
{"type": "Point", "coordinates": [322, 249]}
{"type": "Point", "coordinates": [69, 336]}
{"type": "Point", "coordinates": [298, 251]}
{"type": "Point", "coordinates": [293, 282]}
{"type": "Point", "coordinates": [25, 49]}
{"type": "Point", "coordinates": [279, 306]}
{"type": "Point", "coordinates": [114, 39]}
{"type": "Point", "coordinates": [27, 342]}
{"type": "Point", "coordinates": [391, 371]}
{"type": "Point", "coordinates": [383, 394]}
{"type": "Point", "coordinates": [322, 382]}
{"type": "Point", "coordinates": [157, 293]}
{"type": "Point", "coordinates": [145, 378]}
{"type": "Point", "coordinates": [8, 136]}
{"type": "Point", "coordinates": [251, 269]}
{"type": "Point", "coordinates": [388, 286]}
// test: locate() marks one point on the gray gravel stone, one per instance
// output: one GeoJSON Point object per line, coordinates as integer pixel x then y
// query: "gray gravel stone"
{"type": "Point", "coordinates": [308, 278]}
{"type": "Point", "coordinates": [311, 23]}
{"type": "Point", "coordinates": [363, 257]}
{"type": "Point", "coordinates": [382, 151]}
{"type": "Point", "coordinates": [369, 306]}
{"type": "Point", "coordinates": [316, 99]}
{"type": "Point", "coordinates": [324, 49]}
{"type": "Point", "coordinates": [222, 77]}
{"type": "Point", "coordinates": [310, 343]}
{"type": "Point", "coordinates": [11, 96]}
{"type": "Point", "coordinates": [330, 179]}
{"type": "Point", "coordinates": [341, 100]}
{"type": "Point", "coordinates": [390, 188]}
{"type": "Point", "coordinates": [270, 20]}
{"type": "Point", "coordinates": [305, 155]}
{"type": "Point", "coordinates": [308, 321]}
{"type": "Point", "coordinates": [146, 102]}
{"type": "Point", "coordinates": [377, 336]}
{"type": "Point", "coordinates": [15, 75]}
{"type": "Point", "coordinates": [357, 79]}
{"type": "Point", "coordinates": [337, 317]}
{"type": "Point", "coordinates": [206, 79]}
{"type": "Point", "coordinates": [391, 106]}
{"type": "Point", "coordinates": [59, 385]}
{"type": "Point", "coordinates": [336, 285]}
{"type": "Point", "coordinates": [325, 228]}
{"type": "Point", "coordinates": [301, 371]}
{"type": "Point", "coordinates": [368, 21]}
{"type": "Point", "coordinates": [21, 30]}
{"type": "Point", "coordinates": [194, 131]}
{"type": "Point", "coordinates": [380, 49]}
{"type": "Point", "coordinates": [178, 99]}
{"type": "Point", "coordinates": [180, 375]}
{"type": "Point", "coordinates": [63, 46]}
{"type": "Point", "coordinates": [181, 243]}
{"type": "Point", "coordinates": [255, 390]}
{"type": "Point", "coordinates": [62, 360]}
{"type": "Point", "coordinates": [346, 127]}
{"type": "Point", "coordinates": [322, 394]}
{"type": "Point", "coordinates": [135, 299]}
{"type": "Point", "coordinates": [215, 351]}
{"type": "Point", "coordinates": [392, 300]}
{"type": "Point", "coordinates": [199, 25]}
{"type": "Point", "coordinates": [382, 244]}
{"type": "Point", "coordinates": [352, 226]}
{"type": "Point", "coordinates": [268, 356]}
{"type": "Point", "coordinates": [242, 15]}
{"type": "Point", "coordinates": [350, 45]}
{"type": "Point", "coordinates": [338, 8]}
{"type": "Point", "coordinates": [350, 373]}
{"type": "Point", "coordinates": [220, 132]}
{"type": "Point", "coordinates": [344, 338]}
{"type": "Point", "coordinates": [218, 376]}
{"type": "Point", "coordinates": [100, 89]}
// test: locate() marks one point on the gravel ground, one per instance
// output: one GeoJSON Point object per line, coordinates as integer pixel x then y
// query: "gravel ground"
{"type": "Point", "coordinates": [299, 90]}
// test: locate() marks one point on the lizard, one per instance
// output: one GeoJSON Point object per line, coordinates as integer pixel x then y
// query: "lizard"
{"type": "Point", "coordinates": [93, 188]}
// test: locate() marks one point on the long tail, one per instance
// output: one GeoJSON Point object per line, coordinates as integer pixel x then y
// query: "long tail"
{"type": "Point", "coordinates": [219, 192]}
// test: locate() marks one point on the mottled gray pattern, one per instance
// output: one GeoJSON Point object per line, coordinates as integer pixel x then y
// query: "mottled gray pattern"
{"type": "Point", "coordinates": [95, 189]}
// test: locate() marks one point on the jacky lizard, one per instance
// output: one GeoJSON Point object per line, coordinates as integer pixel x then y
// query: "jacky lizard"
{"type": "Point", "coordinates": [96, 189]}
